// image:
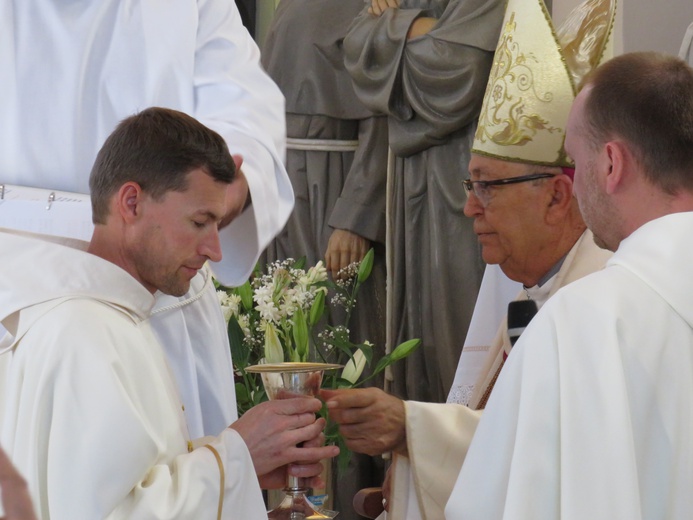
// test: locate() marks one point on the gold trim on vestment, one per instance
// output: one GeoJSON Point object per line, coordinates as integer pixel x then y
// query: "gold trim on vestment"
{"type": "Point", "coordinates": [222, 479]}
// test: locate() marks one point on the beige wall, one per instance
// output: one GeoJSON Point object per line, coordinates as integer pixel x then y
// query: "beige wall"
{"type": "Point", "coordinates": [644, 25]}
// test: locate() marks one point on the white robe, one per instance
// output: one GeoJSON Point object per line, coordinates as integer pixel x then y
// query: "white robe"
{"type": "Point", "coordinates": [93, 419]}
{"type": "Point", "coordinates": [438, 436]}
{"type": "Point", "coordinates": [592, 416]}
{"type": "Point", "coordinates": [72, 70]}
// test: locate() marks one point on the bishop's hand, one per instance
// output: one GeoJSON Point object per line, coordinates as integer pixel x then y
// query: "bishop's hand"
{"type": "Point", "coordinates": [370, 420]}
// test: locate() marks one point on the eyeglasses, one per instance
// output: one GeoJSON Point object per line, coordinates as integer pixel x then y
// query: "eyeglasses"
{"type": "Point", "coordinates": [482, 189]}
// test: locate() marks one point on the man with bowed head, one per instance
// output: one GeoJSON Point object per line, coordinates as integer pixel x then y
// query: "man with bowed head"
{"type": "Point", "coordinates": [520, 195]}
{"type": "Point", "coordinates": [101, 62]}
{"type": "Point", "coordinates": [592, 414]}
{"type": "Point", "coordinates": [93, 417]}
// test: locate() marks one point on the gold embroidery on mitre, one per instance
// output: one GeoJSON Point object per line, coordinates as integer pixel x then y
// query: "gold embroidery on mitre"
{"type": "Point", "coordinates": [533, 79]}
{"type": "Point", "coordinates": [511, 83]}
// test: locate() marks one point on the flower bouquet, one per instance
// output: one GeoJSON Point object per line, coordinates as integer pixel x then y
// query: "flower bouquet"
{"type": "Point", "coordinates": [280, 315]}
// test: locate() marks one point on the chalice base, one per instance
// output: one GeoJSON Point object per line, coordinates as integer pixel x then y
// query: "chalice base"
{"type": "Point", "coordinates": [296, 506]}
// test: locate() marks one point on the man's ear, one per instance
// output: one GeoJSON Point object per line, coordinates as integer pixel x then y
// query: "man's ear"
{"type": "Point", "coordinates": [129, 200]}
{"type": "Point", "coordinates": [616, 159]}
{"type": "Point", "coordinates": [561, 195]}
{"type": "Point", "coordinates": [237, 161]}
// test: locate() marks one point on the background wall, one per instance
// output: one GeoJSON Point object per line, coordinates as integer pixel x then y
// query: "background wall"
{"type": "Point", "coordinates": [644, 25]}
{"type": "Point", "coordinates": [265, 10]}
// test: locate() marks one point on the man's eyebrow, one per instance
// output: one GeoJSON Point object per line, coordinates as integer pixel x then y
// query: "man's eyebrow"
{"type": "Point", "coordinates": [208, 213]}
{"type": "Point", "coordinates": [478, 172]}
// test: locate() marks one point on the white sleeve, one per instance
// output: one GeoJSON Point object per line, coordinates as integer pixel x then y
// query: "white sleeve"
{"type": "Point", "coordinates": [438, 436]}
{"type": "Point", "coordinates": [235, 97]}
{"type": "Point", "coordinates": [188, 489]}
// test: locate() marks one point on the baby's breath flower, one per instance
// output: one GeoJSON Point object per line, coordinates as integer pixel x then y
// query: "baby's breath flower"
{"type": "Point", "coordinates": [348, 273]}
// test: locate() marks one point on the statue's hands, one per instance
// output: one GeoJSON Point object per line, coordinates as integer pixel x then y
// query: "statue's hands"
{"type": "Point", "coordinates": [421, 26]}
{"type": "Point", "coordinates": [274, 431]}
{"type": "Point", "coordinates": [370, 420]}
{"type": "Point", "coordinates": [344, 248]}
{"type": "Point", "coordinates": [378, 6]}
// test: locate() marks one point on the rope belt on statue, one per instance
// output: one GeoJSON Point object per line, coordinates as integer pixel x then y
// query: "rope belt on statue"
{"type": "Point", "coordinates": [321, 145]}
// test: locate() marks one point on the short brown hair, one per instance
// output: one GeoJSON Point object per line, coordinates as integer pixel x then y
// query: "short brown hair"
{"type": "Point", "coordinates": [156, 148]}
{"type": "Point", "coordinates": [646, 99]}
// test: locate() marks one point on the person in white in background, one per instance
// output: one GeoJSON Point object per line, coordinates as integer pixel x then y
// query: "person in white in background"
{"type": "Point", "coordinates": [71, 71]}
{"type": "Point", "coordinates": [93, 417]}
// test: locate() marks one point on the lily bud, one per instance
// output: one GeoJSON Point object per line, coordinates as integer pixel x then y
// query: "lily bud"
{"type": "Point", "coordinates": [300, 334]}
{"type": "Point", "coordinates": [366, 266]}
{"type": "Point", "coordinates": [274, 353]}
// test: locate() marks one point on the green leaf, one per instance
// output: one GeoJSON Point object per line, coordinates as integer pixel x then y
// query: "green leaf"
{"type": "Point", "coordinates": [260, 396]}
{"type": "Point", "coordinates": [382, 365]}
{"type": "Point", "coordinates": [242, 394]}
{"type": "Point", "coordinates": [367, 350]}
{"type": "Point", "coordinates": [245, 291]}
{"type": "Point", "coordinates": [366, 266]}
{"type": "Point", "coordinates": [402, 351]}
{"type": "Point", "coordinates": [331, 430]}
{"type": "Point", "coordinates": [344, 456]}
{"type": "Point", "coordinates": [239, 352]}
{"type": "Point", "coordinates": [343, 383]}
{"type": "Point", "coordinates": [317, 308]}
{"type": "Point", "coordinates": [300, 263]}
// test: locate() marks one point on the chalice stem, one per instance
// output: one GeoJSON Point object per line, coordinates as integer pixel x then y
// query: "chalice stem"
{"type": "Point", "coordinates": [284, 380]}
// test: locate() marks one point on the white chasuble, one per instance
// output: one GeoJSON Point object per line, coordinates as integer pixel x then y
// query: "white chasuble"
{"type": "Point", "coordinates": [592, 416]}
{"type": "Point", "coordinates": [438, 436]}
{"type": "Point", "coordinates": [93, 418]}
